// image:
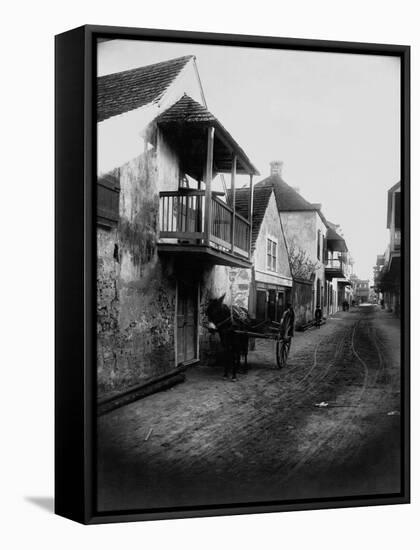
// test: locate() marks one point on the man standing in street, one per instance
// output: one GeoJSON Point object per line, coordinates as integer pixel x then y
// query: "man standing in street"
{"type": "Point", "coordinates": [288, 321]}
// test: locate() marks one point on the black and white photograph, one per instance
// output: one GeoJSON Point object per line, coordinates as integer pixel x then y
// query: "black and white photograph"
{"type": "Point", "coordinates": [209, 307]}
{"type": "Point", "coordinates": [248, 275]}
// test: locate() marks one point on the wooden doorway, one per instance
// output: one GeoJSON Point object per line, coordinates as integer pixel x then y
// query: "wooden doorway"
{"type": "Point", "coordinates": [280, 306]}
{"type": "Point", "coordinates": [186, 318]}
{"type": "Point", "coordinates": [261, 309]}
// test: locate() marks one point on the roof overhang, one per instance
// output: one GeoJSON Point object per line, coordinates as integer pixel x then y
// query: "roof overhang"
{"type": "Point", "coordinates": [185, 124]}
{"type": "Point", "coordinates": [345, 283]}
{"type": "Point", "coordinates": [335, 242]}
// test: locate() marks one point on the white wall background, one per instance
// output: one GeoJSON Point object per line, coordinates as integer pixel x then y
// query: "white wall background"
{"type": "Point", "coordinates": [26, 459]}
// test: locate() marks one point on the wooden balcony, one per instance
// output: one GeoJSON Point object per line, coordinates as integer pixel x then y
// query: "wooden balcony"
{"type": "Point", "coordinates": [214, 233]}
{"type": "Point", "coordinates": [396, 240]}
{"type": "Point", "coordinates": [335, 268]}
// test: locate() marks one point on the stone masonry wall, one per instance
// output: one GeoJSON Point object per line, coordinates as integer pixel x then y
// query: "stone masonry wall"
{"type": "Point", "coordinates": [135, 289]}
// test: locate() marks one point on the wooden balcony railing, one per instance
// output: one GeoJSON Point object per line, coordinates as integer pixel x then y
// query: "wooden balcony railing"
{"type": "Point", "coordinates": [334, 263]}
{"type": "Point", "coordinates": [335, 267]}
{"type": "Point", "coordinates": [181, 215]}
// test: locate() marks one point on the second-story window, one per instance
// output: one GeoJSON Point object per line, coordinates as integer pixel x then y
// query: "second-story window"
{"type": "Point", "coordinates": [271, 255]}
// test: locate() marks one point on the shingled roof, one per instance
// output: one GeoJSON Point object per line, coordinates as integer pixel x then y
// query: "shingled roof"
{"type": "Point", "coordinates": [261, 198]}
{"type": "Point", "coordinates": [187, 111]}
{"type": "Point", "coordinates": [125, 91]}
{"type": "Point", "coordinates": [287, 198]}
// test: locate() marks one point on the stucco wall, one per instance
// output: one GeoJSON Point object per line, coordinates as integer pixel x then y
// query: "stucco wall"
{"type": "Point", "coordinates": [135, 289]}
{"type": "Point", "coordinates": [271, 228]}
{"type": "Point", "coordinates": [214, 282]}
{"type": "Point", "coordinates": [301, 228]}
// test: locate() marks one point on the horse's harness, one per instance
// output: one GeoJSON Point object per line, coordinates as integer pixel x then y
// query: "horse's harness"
{"type": "Point", "coordinates": [229, 318]}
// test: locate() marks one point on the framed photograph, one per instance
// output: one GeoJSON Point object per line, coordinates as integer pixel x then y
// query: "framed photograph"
{"type": "Point", "coordinates": [232, 274]}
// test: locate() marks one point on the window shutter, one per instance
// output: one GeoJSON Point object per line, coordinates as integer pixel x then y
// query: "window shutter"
{"type": "Point", "coordinates": [108, 198]}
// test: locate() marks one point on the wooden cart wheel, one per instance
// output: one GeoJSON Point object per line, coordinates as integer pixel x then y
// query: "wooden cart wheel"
{"type": "Point", "coordinates": [282, 351]}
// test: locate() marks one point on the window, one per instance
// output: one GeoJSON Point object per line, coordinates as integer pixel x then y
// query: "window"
{"type": "Point", "coordinates": [271, 255]}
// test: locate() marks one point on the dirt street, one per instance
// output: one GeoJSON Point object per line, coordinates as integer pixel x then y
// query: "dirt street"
{"type": "Point", "coordinates": [326, 425]}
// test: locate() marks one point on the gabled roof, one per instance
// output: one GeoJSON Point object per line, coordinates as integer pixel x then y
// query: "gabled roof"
{"type": "Point", "coordinates": [288, 199]}
{"type": "Point", "coordinates": [187, 112]}
{"type": "Point", "coordinates": [261, 199]}
{"type": "Point", "coordinates": [125, 91]}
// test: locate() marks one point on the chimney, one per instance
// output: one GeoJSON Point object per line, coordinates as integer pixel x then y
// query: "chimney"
{"type": "Point", "coordinates": [276, 167]}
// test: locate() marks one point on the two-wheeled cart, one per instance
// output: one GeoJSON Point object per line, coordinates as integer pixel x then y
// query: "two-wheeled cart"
{"type": "Point", "coordinates": [271, 330]}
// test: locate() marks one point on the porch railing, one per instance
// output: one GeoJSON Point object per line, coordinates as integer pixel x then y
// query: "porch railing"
{"type": "Point", "coordinates": [334, 263]}
{"type": "Point", "coordinates": [181, 217]}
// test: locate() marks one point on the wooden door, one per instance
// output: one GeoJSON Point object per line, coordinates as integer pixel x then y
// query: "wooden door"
{"type": "Point", "coordinates": [271, 310]}
{"type": "Point", "coordinates": [261, 309]}
{"type": "Point", "coordinates": [187, 321]}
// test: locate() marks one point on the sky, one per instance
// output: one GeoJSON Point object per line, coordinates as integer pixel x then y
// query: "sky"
{"type": "Point", "coordinates": [333, 119]}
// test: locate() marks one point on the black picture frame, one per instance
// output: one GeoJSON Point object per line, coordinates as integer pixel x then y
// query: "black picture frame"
{"type": "Point", "coordinates": [75, 252]}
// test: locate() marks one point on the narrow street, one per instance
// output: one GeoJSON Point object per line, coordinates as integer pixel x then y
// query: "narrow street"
{"type": "Point", "coordinates": [326, 425]}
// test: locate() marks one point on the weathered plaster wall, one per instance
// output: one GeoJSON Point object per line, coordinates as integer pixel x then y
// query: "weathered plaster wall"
{"type": "Point", "coordinates": [136, 290]}
{"type": "Point", "coordinates": [301, 228]}
{"type": "Point", "coordinates": [214, 282]}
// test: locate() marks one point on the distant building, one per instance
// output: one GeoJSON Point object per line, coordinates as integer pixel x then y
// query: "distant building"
{"type": "Point", "coordinates": [305, 229]}
{"type": "Point", "coordinates": [387, 271]}
{"type": "Point", "coordinates": [267, 286]}
{"type": "Point", "coordinates": [318, 254]}
{"type": "Point", "coordinates": [337, 270]}
{"type": "Point", "coordinates": [361, 290]}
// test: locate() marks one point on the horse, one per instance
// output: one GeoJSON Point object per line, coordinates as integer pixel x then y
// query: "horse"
{"type": "Point", "coordinates": [226, 320]}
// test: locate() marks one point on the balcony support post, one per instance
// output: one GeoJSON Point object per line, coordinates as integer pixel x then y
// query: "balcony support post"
{"type": "Point", "coordinates": [233, 191]}
{"type": "Point", "coordinates": [250, 211]}
{"type": "Point", "coordinates": [208, 179]}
